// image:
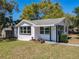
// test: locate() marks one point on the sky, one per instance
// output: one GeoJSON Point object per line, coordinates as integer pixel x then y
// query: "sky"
{"type": "Point", "coordinates": [68, 6]}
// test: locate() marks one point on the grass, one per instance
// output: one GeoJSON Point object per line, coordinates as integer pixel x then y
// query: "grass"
{"type": "Point", "coordinates": [34, 50]}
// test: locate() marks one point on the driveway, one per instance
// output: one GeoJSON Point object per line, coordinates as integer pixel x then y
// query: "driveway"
{"type": "Point", "coordinates": [74, 39]}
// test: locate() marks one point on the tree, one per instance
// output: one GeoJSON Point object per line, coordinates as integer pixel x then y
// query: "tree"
{"type": "Point", "coordinates": [6, 6]}
{"type": "Point", "coordinates": [76, 11]}
{"type": "Point", "coordinates": [52, 11]}
{"type": "Point", "coordinates": [71, 20]}
{"type": "Point", "coordinates": [45, 9]}
{"type": "Point", "coordinates": [31, 12]}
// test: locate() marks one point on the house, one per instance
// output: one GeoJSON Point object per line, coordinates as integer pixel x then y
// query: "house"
{"type": "Point", "coordinates": [46, 29]}
{"type": "Point", "coordinates": [7, 32]}
{"type": "Point", "coordinates": [7, 28]}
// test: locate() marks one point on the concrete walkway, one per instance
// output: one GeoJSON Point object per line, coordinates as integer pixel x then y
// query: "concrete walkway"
{"type": "Point", "coordinates": [65, 44]}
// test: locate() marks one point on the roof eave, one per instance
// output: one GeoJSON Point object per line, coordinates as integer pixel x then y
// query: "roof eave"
{"type": "Point", "coordinates": [44, 25]}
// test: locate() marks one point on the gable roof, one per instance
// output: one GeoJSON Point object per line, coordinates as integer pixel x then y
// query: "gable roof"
{"type": "Point", "coordinates": [47, 21]}
{"type": "Point", "coordinates": [43, 21]}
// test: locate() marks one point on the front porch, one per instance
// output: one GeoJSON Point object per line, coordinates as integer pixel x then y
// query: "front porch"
{"type": "Point", "coordinates": [47, 33]}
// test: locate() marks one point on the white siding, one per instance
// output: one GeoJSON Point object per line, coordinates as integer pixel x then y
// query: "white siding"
{"type": "Point", "coordinates": [41, 36]}
{"type": "Point", "coordinates": [45, 36]}
{"type": "Point", "coordinates": [35, 33]}
{"type": "Point", "coordinates": [16, 31]}
{"type": "Point", "coordinates": [53, 33]}
{"type": "Point", "coordinates": [66, 27]}
{"type": "Point", "coordinates": [3, 33]}
{"type": "Point", "coordinates": [26, 37]}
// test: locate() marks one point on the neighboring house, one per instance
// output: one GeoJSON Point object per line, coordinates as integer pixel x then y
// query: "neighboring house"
{"type": "Point", "coordinates": [7, 32]}
{"type": "Point", "coordinates": [46, 29]}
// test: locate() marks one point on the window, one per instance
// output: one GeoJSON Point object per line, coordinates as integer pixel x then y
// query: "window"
{"type": "Point", "coordinates": [41, 30]}
{"type": "Point", "coordinates": [44, 30]}
{"type": "Point", "coordinates": [25, 30]}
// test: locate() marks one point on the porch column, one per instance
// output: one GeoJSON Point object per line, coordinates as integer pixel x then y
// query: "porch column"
{"type": "Point", "coordinates": [50, 34]}
{"type": "Point", "coordinates": [33, 32]}
{"type": "Point", "coordinates": [56, 34]}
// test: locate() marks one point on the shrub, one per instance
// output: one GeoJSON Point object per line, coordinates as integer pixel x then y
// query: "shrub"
{"type": "Point", "coordinates": [63, 38]}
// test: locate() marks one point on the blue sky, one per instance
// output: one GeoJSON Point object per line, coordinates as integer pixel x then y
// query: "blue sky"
{"type": "Point", "coordinates": [67, 6]}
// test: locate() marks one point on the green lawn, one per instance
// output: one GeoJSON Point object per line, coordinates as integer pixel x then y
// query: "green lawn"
{"type": "Point", "coordinates": [34, 50]}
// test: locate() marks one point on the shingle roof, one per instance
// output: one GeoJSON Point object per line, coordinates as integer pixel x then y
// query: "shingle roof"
{"type": "Point", "coordinates": [47, 21]}
{"type": "Point", "coordinates": [43, 21]}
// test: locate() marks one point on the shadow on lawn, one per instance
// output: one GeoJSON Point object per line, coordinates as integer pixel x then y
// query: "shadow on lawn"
{"type": "Point", "coordinates": [8, 39]}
